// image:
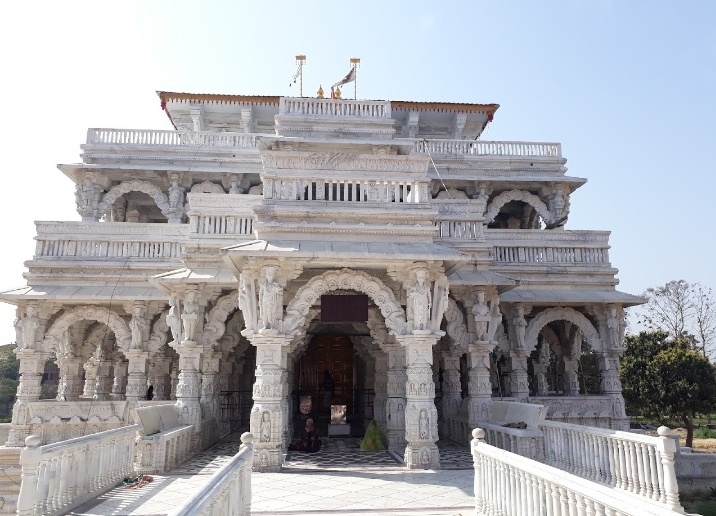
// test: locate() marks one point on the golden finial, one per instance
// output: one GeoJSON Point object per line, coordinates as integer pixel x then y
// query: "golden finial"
{"type": "Point", "coordinates": [337, 93]}
{"type": "Point", "coordinates": [319, 93]}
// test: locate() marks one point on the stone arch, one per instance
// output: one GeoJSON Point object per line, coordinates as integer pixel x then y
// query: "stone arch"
{"type": "Point", "coordinates": [136, 185]}
{"type": "Point", "coordinates": [96, 337]}
{"type": "Point", "coordinates": [345, 279]}
{"type": "Point", "coordinates": [53, 337]}
{"type": "Point", "coordinates": [456, 327]}
{"type": "Point", "coordinates": [517, 195]}
{"type": "Point", "coordinates": [561, 314]}
{"type": "Point", "coordinates": [215, 326]}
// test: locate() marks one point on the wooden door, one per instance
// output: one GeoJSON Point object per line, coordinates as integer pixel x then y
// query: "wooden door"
{"type": "Point", "coordinates": [332, 354]}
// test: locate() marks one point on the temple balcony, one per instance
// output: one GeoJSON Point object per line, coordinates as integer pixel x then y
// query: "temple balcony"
{"type": "Point", "coordinates": [88, 243]}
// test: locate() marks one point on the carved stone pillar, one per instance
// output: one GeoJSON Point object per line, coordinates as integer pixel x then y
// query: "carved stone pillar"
{"type": "Point", "coordinates": [104, 380]}
{"type": "Point", "coordinates": [119, 387]}
{"type": "Point", "coordinates": [226, 369]}
{"type": "Point", "coordinates": [210, 386]}
{"type": "Point", "coordinates": [268, 416]}
{"type": "Point", "coordinates": [188, 389]}
{"type": "Point", "coordinates": [159, 376]}
{"type": "Point", "coordinates": [70, 386]}
{"type": "Point", "coordinates": [452, 390]}
{"type": "Point", "coordinates": [380, 386]}
{"type": "Point", "coordinates": [519, 380]}
{"type": "Point", "coordinates": [479, 387]}
{"type": "Point", "coordinates": [571, 376]}
{"type": "Point", "coordinates": [90, 378]}
{"type": "Point", "coordinates": [369, 413]}
{"type": "Point", "coordinates": [32, 365]}
{"type": "Point", "coordinates": [395, 408]}
{"type": "Point", "coordinates": [611, 386]}
{"type": "Point", "coordinates": [421, 416]}
{"type": "Point", "coordinates": [137, 376]}
{"type": "Point", "coordinates": [174, 381]}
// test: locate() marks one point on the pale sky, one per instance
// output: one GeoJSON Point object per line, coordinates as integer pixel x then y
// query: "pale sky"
{"type": "Point", "coordinates": [626, 87]}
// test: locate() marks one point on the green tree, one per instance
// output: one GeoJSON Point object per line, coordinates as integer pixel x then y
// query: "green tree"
{"type": "Point", "coordinates": [663, 378]}
{"type": "Point", "coordinates": [9, 376]}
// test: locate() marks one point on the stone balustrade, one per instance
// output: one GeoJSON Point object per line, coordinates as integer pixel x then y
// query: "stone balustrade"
{"type": "Point", "coordinates": [487, 148]}
{"type": "Point", "coordinates": [153, 137]}
{"type": "Point", "coordinates": [54, 421]}
{"type": "Point", "coordinates": [228, 491]}
{"type": "Point", "coordinates": [163, 442]}
{"type": "Point", "coordinates": [223, 225]}
{"type": "Point", "coordinates": [638, 464]}
{"type": "Point", "coordinates": [58, 477]}
{"type": "Point", "coordinates": [511, 485]}
{"type": "Point", "coordinates": [548, 247]}
{"type": "Point", "coordinates": [334, 108]}
{"type": "Point", "coordinates": [459, 229]}
{"type": "Point", "coordinates": [346, 190]}
{"type": "Point", "coordinates": [356, 109]}
{"type": "Point", "coordinates": [103, 241]}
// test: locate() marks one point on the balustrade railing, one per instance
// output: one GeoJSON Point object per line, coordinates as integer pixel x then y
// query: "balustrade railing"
{"type": "Point", "coordinates": [346, 190]}
{"type": "Point", "coordinates": [510, 485]}
{"type": "Point", "coordinates": [169, 138]}
{"type": "Point", "coordinates": [222, 225]}
{"type": "Point", "coordinates": [487, 148]}
{"type": "Point", "coordinates": [334, 107]}
{"type": "Point", "coordinates": [638, 464]}
{"type": "Point", "coordinates": [462, 229]}
{"type": "Point", "coordinates": [228, 491]}
{"type": "Point", "coordinates": [103, 249]}
{"type": "Point", "coordinates": [525, 254]}
{"type": "Point", "coordinates": [58, 477]}
{"type": "Point", "coordinates": [164, 451]}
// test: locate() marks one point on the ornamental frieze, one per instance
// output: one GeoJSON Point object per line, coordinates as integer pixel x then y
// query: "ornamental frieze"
{"type": "Point", "coordinates": [342, 161]}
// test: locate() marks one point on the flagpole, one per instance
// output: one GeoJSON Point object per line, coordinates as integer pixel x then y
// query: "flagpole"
{"type": "Point", "coordinates": [300, 61]}
{"type": "Point", "coordinates": [355, 62]}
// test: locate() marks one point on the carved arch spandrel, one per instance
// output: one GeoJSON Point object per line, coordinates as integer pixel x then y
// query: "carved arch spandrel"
{"type": "Point", "coordinates": [135, 185]}
{"type": "Point", "coordinates": [456, 327]}
{"type": "Point", "coordinates": [517, 195]}
{"type": "Point", "coordinates": [159, 335]}
{"type": "Point", "coordinates": [217, 318]}
{"type": "Point", "coordinates": [345, 279]}
{"type": "Point", "coordinates": [53, 337]}
{"type": "Point", "coordinates": [561, 314]}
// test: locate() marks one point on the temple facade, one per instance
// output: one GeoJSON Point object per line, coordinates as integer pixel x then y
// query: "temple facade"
{"type": "Point", "coordinates": [272, 257]}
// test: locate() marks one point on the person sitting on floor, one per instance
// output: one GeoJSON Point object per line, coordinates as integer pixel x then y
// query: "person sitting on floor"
{"type": "Point", "coordinates": [309, 439]}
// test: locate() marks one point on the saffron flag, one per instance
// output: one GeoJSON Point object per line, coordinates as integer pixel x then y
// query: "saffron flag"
{"type": "Point", "coordinates": [348, 78]}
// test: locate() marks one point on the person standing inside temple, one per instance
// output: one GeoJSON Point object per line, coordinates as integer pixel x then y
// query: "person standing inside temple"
{"type": "Point", "coordinates": [329, 388]}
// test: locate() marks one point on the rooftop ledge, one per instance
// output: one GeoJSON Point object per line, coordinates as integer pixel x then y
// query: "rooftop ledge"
{"type": "Point", "coordinates": [233, 140]}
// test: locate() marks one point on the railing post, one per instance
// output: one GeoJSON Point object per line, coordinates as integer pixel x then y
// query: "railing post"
{"type": "Point", "coordinates": [29, 460]}
{"type": "Point", "coordinates": [478, 436]}
{"type": "Point", "coordinates": [247, 441]}
{"type": "Point", "coordinates": [667, 449]}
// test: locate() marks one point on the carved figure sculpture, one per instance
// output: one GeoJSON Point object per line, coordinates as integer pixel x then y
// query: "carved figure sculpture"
{"type": "Point", "coordinates": [265, 427]}
{"type": "Point", "coordinates": [495, 320]}
{"type": "Point", "coordinates": [519, 325]}
{"type": "Point", "coordinates": [440, 301]}
{"type": "Point", "coordinates": [419, 303]}
{"type": "Point", "coordinates": [557, 203]}
{"type": "Point", "coordinates": [483, 316]}
{"type": "Point", "coordinates": [190, 315]}
{"type": "Point", "coordinates": [176, 194]}
{"type": "Point", "coordinates": [173, 320]}
{"type": "Point", "coordinates": [138, 324]}
{"type": "Point", "coordinates": [423, 425]}
{"type": "Point", "coordinates": [615, 327]}
{"type": "Point", "coordinates": [235, 188]}
{"type": "Point", "coordinates": [270, 299]}
{"type": "Point", "coordinates": [27, 329]}
{"type": "Point", "coordinates": [247, 300]}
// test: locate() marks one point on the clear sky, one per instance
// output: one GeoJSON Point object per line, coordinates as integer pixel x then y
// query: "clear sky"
{"type": "Point", "coordinates": [627, 87]}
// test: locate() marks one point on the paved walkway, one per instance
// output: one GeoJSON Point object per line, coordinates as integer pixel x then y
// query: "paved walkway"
{"type": "Point", "coordinates": [340, 479]}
